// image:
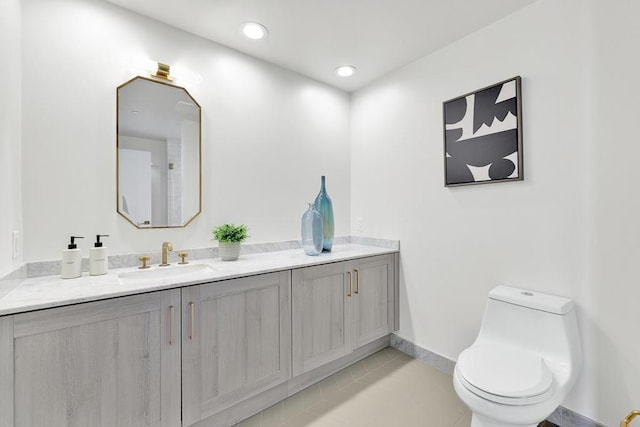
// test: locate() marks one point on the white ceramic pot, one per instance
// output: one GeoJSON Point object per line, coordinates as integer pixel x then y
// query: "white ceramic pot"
{"type": "Point", "coordinates": [229, 251]}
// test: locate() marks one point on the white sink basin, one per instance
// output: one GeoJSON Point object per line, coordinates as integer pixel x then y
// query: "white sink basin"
{"type": "Point", "coordinates": [171, 272]}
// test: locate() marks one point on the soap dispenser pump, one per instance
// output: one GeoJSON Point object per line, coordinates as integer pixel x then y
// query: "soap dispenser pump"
{"type": "Point", "coordinates": [98, 261]}
{"type": "Point", "coordinates": [72, 260]}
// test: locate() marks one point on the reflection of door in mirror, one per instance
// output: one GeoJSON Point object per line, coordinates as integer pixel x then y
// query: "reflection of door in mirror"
{"type": "Point", "coordinates": [156, 151]}
{"type": "Point", "coordinates": [158, 131]}
{"type": "Point", "coordinates": [135, 185]}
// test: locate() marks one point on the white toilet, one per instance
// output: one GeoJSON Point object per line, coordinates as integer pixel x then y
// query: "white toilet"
{"type": "Point", "coordinates": [524, 362]}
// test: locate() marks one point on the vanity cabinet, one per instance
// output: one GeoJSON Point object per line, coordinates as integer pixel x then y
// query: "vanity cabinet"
{"type": "Point", "coordinates": [340, 307]}
{"type": "Point", "coordinates": [236, 342]}
{"type": "Point", "coordinates": [107, 363]}
{"type": "Point", "coordinates": [202, 355]}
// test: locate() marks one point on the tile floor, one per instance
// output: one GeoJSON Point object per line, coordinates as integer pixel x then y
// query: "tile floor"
{"type": "Point", "coordinates": [386, 389]}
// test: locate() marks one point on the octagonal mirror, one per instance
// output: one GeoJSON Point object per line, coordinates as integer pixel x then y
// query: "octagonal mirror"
{"type": "Point", "coordinates": [158, 154]}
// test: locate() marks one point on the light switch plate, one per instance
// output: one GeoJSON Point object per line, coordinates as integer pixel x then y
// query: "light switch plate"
{"type": "Point", "coordinates": [15, 244]}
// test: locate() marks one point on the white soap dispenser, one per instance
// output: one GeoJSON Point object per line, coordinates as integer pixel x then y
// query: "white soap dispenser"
{"type": "Point", "coordinates": [98, 261]}
{"type": "Point", "coordinates": [72, 260]}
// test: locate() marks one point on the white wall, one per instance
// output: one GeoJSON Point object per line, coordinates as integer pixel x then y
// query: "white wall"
{"type": "Point", "coordinates": [571, 228]}
{"type": "Point", "coordinates": [268, 134]}
{"type": "Point", "coordinates": [10, 132]}
{"type": "Point", "coordinates": [615, 270]}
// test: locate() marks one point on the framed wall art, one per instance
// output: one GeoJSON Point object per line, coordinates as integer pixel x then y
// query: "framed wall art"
{"type": "Point", "coordinates": [483, 135]}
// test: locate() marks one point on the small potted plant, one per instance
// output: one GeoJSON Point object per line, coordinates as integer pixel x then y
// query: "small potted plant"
{"type": "Point", "coordinates": [230, 236]}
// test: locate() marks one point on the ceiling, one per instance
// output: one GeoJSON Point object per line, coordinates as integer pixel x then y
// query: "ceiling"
{"type": "Point", "coordinates": [151, 110]}
{"type": "Point", "coordinates": [313, 37]}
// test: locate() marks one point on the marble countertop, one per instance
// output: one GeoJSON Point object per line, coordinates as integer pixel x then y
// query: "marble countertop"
{"type": "Point", "coordinates": [38, 293]}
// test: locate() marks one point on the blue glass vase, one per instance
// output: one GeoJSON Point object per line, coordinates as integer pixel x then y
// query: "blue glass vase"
{"type": "Point", "coordinates": [312, 236]}
{"type": "Point", "coordinates": [325, 207]}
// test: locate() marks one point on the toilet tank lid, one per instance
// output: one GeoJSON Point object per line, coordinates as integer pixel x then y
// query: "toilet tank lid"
{"type": "Point", "coordinates": [532, 299]}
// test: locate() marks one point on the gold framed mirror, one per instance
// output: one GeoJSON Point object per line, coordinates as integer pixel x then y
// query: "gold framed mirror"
{"type": "Point", "coordinates": [159, 159]}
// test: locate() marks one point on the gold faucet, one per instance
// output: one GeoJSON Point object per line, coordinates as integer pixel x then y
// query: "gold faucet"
{"type": "Point", "coordinates": [166, 247]}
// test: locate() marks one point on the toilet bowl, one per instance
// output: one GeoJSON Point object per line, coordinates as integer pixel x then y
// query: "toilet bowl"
{"type": "Point", "coordinates": [524, 361]}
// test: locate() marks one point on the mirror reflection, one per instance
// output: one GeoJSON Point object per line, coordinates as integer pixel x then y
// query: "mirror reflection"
{"type": "Point", "coordinates": [158, 154]}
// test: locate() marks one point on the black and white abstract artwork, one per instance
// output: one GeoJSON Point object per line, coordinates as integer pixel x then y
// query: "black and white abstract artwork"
{"type": "Point", "coordinates": [483, 135]}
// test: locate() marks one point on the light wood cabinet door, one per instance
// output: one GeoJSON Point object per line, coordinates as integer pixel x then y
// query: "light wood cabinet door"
{"type": "Point", "coordinates": [340, 307]}
{"type": "Point", "coordinates": [322, 315]}
{"type": "Point", "coordinates": [374, 294]}
{"type": "Point", "coordinates": [236, 342]}
{"type": "Point", "coordinates": [103, 364]}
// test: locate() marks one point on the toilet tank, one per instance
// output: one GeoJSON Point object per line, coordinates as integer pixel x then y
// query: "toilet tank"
{"type": "Point", "coordinates": [542, 323]}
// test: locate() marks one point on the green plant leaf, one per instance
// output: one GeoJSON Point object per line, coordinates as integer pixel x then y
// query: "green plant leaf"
{"type": "Point", "coordinates": [230, 233]}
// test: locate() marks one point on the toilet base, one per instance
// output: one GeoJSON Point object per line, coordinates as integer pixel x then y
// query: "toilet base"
{"type": "Point", "coordinates": [481, 421]}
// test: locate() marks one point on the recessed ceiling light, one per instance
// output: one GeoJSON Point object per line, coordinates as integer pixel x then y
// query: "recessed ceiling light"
{"type": "Point", "coordinates": [346, 70]}
{"type": "Point", "coordinates": [254, 31]}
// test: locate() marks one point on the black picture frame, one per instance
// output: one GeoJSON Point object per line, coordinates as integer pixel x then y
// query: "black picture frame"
{"type": "Point", "coordinates": [482, 135]}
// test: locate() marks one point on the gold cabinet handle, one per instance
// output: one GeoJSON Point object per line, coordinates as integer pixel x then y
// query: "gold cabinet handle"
{"type": "Point", "coordinates": [350, 284]}
{"type": "Point", "coordinates": [357, 281]}
{"type": "Point", "coordinates": [171, 310]}
{"type": "Point", "coordinates": [627, 421]}
{"type": "Point", "coordinates": [192, 317]}
{"type": "Point", "coordinates": [144, 260]}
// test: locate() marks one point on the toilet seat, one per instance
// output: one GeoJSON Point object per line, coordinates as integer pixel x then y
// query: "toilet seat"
{"type": "Point", "coordinates": [504, 374]}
